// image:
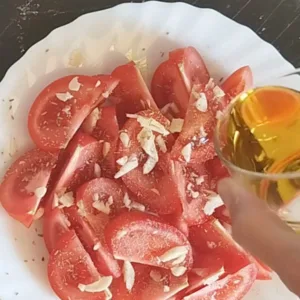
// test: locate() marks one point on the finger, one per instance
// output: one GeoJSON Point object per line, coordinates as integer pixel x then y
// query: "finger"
{"type": "Point", "coordinates": [262, 232]}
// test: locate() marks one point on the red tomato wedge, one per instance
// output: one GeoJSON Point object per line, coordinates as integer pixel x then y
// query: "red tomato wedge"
{"type": "Point", "coordinates": [80, 165]}
{"type": "Point", "coordinates": [55, 225]}
{"type": "Point", "coordinates": [70, 266]}
{"type": "Point", "coordinates": [214, 244]}
{"type": "Point", "coordinates": [102, 124]}
{"type": "Point", "coordinates": [234, 286]}
{"type": "Point", "coordinates": [148, 171]}
{"type": "Point", "coordinates": [142, 238]}
{"type": "Point", "coordinates": [92, 238]}
{"type": "Point", "coordinates": [25, 184]}
{"type": "Point", "coordinates": [179, 222]}
{"type": "Point", "coordinates": [173, 80]}
{"type": "Point", "coordinates": [238, 82]}
{"type": "Point", "coordinates": [150, 283]}
{"type": "Point", "coordinates": [132, 92]}
{"type": "Point", "coordinates": [97, 194]}
{"type": "Point", "coordinates": [59, 110]}
{"type": "Point", "coordinates": [195, 142]}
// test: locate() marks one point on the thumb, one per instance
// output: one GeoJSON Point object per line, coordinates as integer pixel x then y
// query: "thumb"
{"type": "Point", "coordinates": [262, 232]}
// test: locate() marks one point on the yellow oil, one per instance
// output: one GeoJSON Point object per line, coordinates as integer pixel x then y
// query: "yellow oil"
{"type": "Point", "coordinates": [263, 135]}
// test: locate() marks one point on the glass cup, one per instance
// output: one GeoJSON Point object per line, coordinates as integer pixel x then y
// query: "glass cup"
{"type": "Point", "coordinates": [258, 140]}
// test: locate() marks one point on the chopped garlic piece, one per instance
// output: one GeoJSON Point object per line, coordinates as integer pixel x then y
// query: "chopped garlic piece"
{"type": "Point", "coordinates": [174, 253]}
{"type": "Point", "coordinates": [40, 192]}
{"type": "Point", "coordinates": [102, 207]}
{"type": "Point", "coordinates": [146, 138]}
{"type": "Point", "coordinates": [81, 208]}
{"type": "Point", "coordinates": [39, 213]}
{"type": "Point", "coordinates": [66, 200]}
{"type": "Point", "coordinates": [211, 245]}
{"type": "Point", "coordinates": [96, 246]}
{"type": "Point", "coordinates": [178, 271]}
{"type": "Point", "coordinates": [96, 197]}
{"type": "Point", "coordinates": [126, 201]}
{"type": "Point", "coordinates": [214, 201]}
{"type": "Point", "coordinates": [149, 165]}
{"type": "Point", "coordinates": [166, 289]}
{"type": "Point", "coordinates": [155, 275]}
{"type": "Point", "coordinates": [203, 133]}
{"type": "Point", "coordinates": [179, 260]}
{"type": "Point", "coordinates": [124, 137]}
{"type": "Point", "coordinates": [218, 92]}
{"type": "Point", "coordinates": [187, 152]}
{"type": "Point", "coordinates": [201, 101]}
{"type": "Point", "coordinates": [200, 180]}
{"type": "Point", "coordinates": [99, 286]}
{"type": "Point", "coordinates": [137, 206]}
{"type": "Point", "coordinates": [64, 96]}
{"type": "Point", "coordinates": [130, 165]}
{"type": "Point", "coordinates": [122, 161]}
{"type": "Point", "coordinates": [161, 144]}
{"type": "Point", "coordinates": [121, 234]}
{"type": "Point", "coordinates": [176, 125]}
{"type": "Point", "coordinates": [129, 275]}
{"type": "Point", "coordinates": [106, 94]}
{"type": "Point", "coordinates": [97, 170]}
{"type": "Point", "coordinates": [152, 124]}
{"type": "Point", "coordinates": [210, 84]}
{"type": "Point", "coordinates": [108, 294]}
{"type": "Point", "coordinates": [194, 194]}
{"type": "Point", "coordinates": [106, 148]}
{"type": "Point", "coordinates": [92, 120]}
{"type": "Point", "coordinates": [98, 83]}
{"type": "Point", "coordinates": [74, 84]}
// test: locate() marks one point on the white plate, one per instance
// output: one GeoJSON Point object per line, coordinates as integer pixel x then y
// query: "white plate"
{"type": "Point", "coordinates": [143, 32]}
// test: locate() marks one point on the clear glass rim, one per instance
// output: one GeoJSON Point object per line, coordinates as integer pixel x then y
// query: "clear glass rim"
{"type": "Point", "coordinates": [235, 168]}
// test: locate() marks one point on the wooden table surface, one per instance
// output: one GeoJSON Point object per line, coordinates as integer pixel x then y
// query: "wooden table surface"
{"type": "Point", "coordinates": [24, 22]}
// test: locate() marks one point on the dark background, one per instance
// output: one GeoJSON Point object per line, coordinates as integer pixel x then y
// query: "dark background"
{"type": "Point", "coordinates": [24, 22]}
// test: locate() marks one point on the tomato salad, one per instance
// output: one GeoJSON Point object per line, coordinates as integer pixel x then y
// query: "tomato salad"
{"type": "Point", "coordinates": [125, 181]}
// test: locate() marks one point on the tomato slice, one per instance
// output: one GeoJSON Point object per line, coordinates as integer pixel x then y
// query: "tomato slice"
{"type": "Point", "coordinates": [158, 187]}
{"type": "Point", "coordinates": [234, 286]}
{"type": "Point", "coordinates": [173, 80]}
{"type": "Point", "coordinates": [142, 238]}
{"type": "Point", "coordinates": [179, 222]}
{"type": "Point", "coordinates": [55, 225]}
{"type": "Point", "coordinates": [150, 283]}
{"type": "Point", "coordinates": [25, 184]}
{"type": "Point", "coordinates": [69, 266]}
{"type": "Point", "coordinates": [59, 110]}
{"type": "Point", "coordinates": [80, 162]}
{"type": "Point", "coordinates": [195, 142]}
{"type": "Point", "coordinates": [92, 238]}
{"type": "Point", "coordinates": [132, 92]}
{"type": "Point", "coordinates": [191, 65]}
{"type": "Point", "coordinates": [101, 190]}
{"type": "Point", "coordinates": [102, 124]}
{"type": "Point", "coordinates": [216, 246]}
{"type": "Point", "coordinates": [241, 80]}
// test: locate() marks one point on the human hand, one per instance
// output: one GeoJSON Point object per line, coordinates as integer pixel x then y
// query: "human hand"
{"type": "Point", "coordinates": [260, 231]}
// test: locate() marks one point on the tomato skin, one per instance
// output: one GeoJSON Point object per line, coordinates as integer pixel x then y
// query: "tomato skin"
{"type": "Point", "coordinates": [132, 93]}
{"type": "Point", "coordinates": [55, 225]}
{"type": "Point", "coordinates": [52, 122]}
{"type": "Point", "coordinates": [103, 125]}
{"type": "Point", "coordinates": [199, 125]}
{"type": "Point", "coordinates": [173, 80]}
{"type": "Point", "coordinates": [80, 158]}
{"type": "Point", "coordinates": [17, 191]}
{"type": "Point", "coordinates": [105, 188]}
{"type": "Point", "coordinates": [239, 81]}
{"type": "Point", "coordinates": [215, 245]}
{"type": "Point", "coordinates": [130, 236]}
{"type": "Point", "coordinates": [92, 236]}
{"type": "Point", "coordinates": [70, 265]}
{"type": "Point", "coordinates": [233, 287]}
